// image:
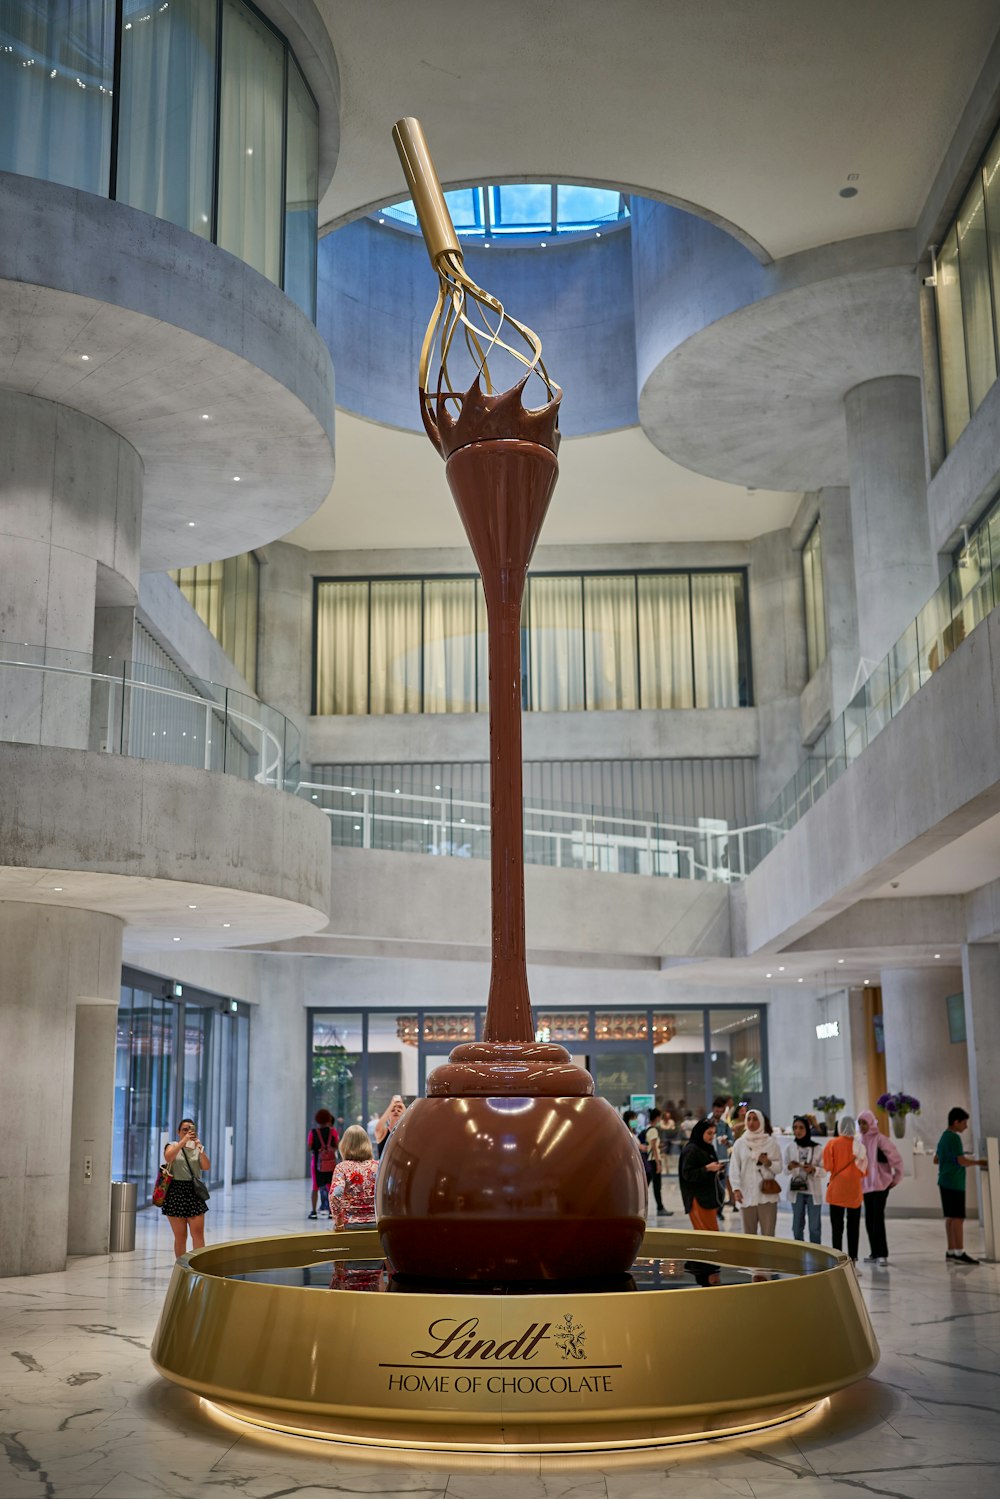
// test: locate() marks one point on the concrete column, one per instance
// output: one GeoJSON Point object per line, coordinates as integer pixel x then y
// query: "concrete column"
{"type": "Point", "coordinates": [895, 570]}
{"type": "Point", "coordinates": [50, 958]}
{"type": "Point", "coordinates": [920, 1057]}
{"type": "Point", "coordinates": [981, 986]}
{"type": "Point", "coordinates": [839, 593]}
{"type": "Point", "coordinates": [70, 513]}
{"type": "Point", "coordinates": [778, 639]}
{"type": "Point", "coordinates": [278, 1074]}
{"type": "Point", "coordinates": [93, 1123]}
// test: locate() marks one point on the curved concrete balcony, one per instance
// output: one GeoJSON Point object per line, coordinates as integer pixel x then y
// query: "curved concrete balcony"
{"type": "Point", "coordinates": [134, 794]}
{"type": "Point", "coordinates": [743, 367]}
{"type": "Point", "coordinates": [201, 364]}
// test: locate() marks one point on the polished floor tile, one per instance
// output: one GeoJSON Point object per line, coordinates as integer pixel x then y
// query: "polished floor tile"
{"type": "Point", "coordinates": [84, 1416]}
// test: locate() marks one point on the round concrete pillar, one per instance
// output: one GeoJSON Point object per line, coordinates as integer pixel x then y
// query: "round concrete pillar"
{"type": "Point", "coordinates": [920, 1057]}
{"type": "Point", "coordinates": [894, 567]}
{"type": "Point", "coordinates": [57, 1085]}
{"type": "Point", "coordinates": [70, 516]}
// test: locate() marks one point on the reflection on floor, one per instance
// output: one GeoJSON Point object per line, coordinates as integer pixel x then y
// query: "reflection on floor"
{"type": "Point", "coordinates": [82, 1413]}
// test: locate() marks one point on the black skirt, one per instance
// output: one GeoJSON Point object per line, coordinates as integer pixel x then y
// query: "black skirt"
{"type": "Point", "coordinates": [182, 1201]}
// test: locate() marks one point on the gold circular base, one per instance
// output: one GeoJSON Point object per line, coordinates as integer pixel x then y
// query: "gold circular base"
{"type": "Point", "coordinates": [460, 1439]}
{"type": "Point", "coordinates": [369, 1363]}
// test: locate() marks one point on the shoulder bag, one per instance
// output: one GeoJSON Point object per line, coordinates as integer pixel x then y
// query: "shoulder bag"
{"type": "Point", "coordinates": [200, 1190]}
{"type": "Point", "coordinates": [163, 1179]}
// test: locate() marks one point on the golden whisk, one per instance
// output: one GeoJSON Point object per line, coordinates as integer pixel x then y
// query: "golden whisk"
{"type": "Point", "coordinates": [457, 292]}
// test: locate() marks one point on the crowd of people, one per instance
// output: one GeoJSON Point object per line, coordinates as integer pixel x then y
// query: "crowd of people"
{"type": "Point", "coordinates": [730, 1159]}
{"type": "Point", "coordinates": [733, 1159]}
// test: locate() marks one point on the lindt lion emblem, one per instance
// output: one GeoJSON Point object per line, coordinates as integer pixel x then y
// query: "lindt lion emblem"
{"type": "Point", "coordinates": [570, 1337]}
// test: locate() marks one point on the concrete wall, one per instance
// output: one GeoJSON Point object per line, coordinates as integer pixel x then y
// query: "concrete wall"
{"type": "Point", "coordinates": [777, 634]}
{"type": "Point", "coordinates": [801, 1066]}
{"type": "Point", "coordinates": [173, 622]}
{"type": "Point", "coordinates": [920, 1057]}
{"type": "Point", "coordinates": [91, 1142]}
{"type": "Point", "coordinates": [377, 290]}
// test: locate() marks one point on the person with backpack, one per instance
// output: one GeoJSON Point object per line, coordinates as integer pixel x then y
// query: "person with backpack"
{"type": "Point", "coordinates": [654, 1161]}
{"type": "Point", "coordinates": [322, 1142]}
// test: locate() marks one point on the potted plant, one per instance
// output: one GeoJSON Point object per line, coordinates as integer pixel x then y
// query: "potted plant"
{"type": "Point", "coordinates": [897, 1106]}
{"type": "Point", "coordinates": [829, 1105]}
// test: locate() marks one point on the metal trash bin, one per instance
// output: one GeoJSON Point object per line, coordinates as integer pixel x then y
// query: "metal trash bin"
{"type": "Point", "coordinates": [123, 1201]}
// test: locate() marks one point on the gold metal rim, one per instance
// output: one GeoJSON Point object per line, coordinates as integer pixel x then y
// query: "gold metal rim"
{"type": "Point", "coordinates": [559, 1372]}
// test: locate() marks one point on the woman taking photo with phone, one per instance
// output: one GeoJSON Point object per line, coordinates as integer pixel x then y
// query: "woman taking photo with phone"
{"type": "Point", "coordinates": [186, 1202]}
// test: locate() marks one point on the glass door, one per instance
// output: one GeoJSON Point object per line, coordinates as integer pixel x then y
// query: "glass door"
{"type": "Point", "coordinates": [618, 1073]}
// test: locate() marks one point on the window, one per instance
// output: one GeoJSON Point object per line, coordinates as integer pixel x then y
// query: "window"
{"type": "Point", "coordinates": [166, 145]}
{"type": "Point", "coordinates": [251, 185]}
{"type": "Point", "coordinates": [56, 83]}
{"type": "Point", "coordinates": [815, 609]}
{"type": "Point", "coordinates": [594, 641]}
{"type": "Point", "coordinates": [523, 211]}
{"type": "Point", "coordinates": [225, 596]}
{"type": "Point", "coordinates": [966, 298]}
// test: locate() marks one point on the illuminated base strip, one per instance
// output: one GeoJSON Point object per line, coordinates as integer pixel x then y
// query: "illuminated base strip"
{"type": "Point", "coordinates": [452, 1437]}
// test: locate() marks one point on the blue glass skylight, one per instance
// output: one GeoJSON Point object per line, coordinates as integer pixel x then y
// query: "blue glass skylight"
{"type": "Point", "coordinates": [530, 211]}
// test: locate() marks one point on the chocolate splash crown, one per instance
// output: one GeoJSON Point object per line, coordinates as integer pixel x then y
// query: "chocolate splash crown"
{"type": "Point", "coordinates": [484, 417]}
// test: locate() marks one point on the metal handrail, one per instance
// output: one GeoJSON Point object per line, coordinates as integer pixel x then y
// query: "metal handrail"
{"type": "Point", "coordinates": [445, 825]}
{"type": "Point", "coordinates": [125, 687]}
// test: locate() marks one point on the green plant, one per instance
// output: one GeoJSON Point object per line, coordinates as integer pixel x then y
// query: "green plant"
{"type": "Point", "coordinates": [332, 1069]}
{"type": "Point", "coordinates": [742, 1079]}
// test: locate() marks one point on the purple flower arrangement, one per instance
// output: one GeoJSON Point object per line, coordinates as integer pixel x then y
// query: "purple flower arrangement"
{"type": "Point", "coordinates": [898, 1105]}
{"type": "Point", "coordinates": [829, 1103]}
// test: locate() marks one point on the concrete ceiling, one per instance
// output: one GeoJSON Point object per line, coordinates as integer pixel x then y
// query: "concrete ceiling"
{"type": "Point", "coordinates": [613, 488]}
{"type": "Point", "coordinates": [964, 864]}
{"type": "Point", "coordinates": [754, 113]}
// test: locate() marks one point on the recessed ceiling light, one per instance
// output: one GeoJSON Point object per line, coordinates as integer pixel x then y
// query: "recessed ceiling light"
{"type": "Point", "coordinates": [192, 908]}
{"type": "Point", "coordinates": [396, 792]}
{"type": "Point", "coordinates": [315, 796]}
{"type": "Point", "coordinates": [486, 244]}
{"type": "Point", "coordinates": [249, 150]}
{"type": "Point", "coordinates": [357, 827]}
{"type": "Point", "coordinates": [176, 939]}
{"type": "Point", "coordinates": [848, 192]}
{"type": "Point", "coordinates": [598, 234]}
{"type": "Point", "coordinates": [544, 244]}
{"type": "Point", "coordinates": [840, 960]}
{"type": "Point", "coordinates": [205, 416]}
{"type": "Point", "coordinates": [85, 358]}
{"type": "Point", "coordinates": [437, 788]}
{"type": "Point", "coordinates": [227, 923]}
{"type": "Point", "coordinates": [381, 221]}
{"type": "Point", "coordinates": [191, 523]}
{"type": "Point", "coordinates": [236, 478]}
{"type": "Point", "coordinates": [937, 954]}
{"type": "Point", "coordinates": [57, 887]}
{"type": "Point", "coordinates": [801, 981]}
{"type": "Point", "coordinates": [769, 975]}
{"type": "Point", "coordinates": [781, 967]}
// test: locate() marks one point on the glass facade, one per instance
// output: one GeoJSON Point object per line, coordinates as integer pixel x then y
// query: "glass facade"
{"type": "Point", "coordinates": [968, 298]}
{"type": "Point", "coordinates": [180, 1053]}
{"type": "Point", "coordinates": [225, 596]}
{"type": "Point", "coordinates": [594, 641]}
{"type": "Point", "coordinates": [212, 127]}
{"type": "Point", "coordinates": [815, 607]}
{"type": "Point", "coordinates": [358, 1060]}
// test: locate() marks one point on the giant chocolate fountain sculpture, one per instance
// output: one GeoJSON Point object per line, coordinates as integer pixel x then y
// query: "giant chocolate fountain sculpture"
{"type": "Point", "coordinates": [510, 1168]}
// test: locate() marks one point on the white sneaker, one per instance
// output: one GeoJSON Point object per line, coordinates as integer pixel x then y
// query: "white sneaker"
{"type": "Point", "coordinates": [882, 1262]}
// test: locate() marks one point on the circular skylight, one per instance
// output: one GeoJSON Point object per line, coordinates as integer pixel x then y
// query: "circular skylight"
{"type": "Point", "coordinates": [531, 211]}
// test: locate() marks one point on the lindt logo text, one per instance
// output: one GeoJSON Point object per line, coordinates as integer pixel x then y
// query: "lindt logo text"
{"type": "Point", "coordinates": [460, 1340]}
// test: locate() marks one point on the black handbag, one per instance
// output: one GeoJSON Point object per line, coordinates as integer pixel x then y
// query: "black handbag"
{"type": "Point", "coordinates": [200, 1190]}
{"type": "Point", "coordinates": [881, 1156]}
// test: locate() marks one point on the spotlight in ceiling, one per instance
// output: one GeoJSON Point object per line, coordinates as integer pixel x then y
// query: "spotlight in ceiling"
{"type": "Point", "coordinates": [937, 954]}
{"type": "Point", "coordinates": [191, 523]}
{"type": "Point", "coordinates": [227, 923]}
{"type": "Point", "coordinates": [85, 358]}
{"type": "Point", "coordinates": [236, 478]}
{"type": "Point", "coordinates": [176, 939]}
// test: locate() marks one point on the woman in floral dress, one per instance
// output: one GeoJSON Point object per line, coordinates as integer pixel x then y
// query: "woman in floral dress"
{"type": "Point", "coordinates": [352, 1191]}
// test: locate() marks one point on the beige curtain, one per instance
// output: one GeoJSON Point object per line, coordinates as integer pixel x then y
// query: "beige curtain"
{"type": "Point", "coordinates": [715, 600]}
{"type": "Point", "coordinates": [342, 648]}
{"type": "Point", "coordinates": [450, 645]}
{"type": "Point", "coordinates": [609, 642]}
{"type": "Point", "coordinates": [251, 140]}
{"type": "Point", "coordinates": [555, 648]}
{"type": "Point", "coordinates": [665, 641]}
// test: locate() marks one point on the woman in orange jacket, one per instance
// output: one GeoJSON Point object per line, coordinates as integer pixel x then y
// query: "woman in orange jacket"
{"type": "Point", "coordinates": [846, 1160]}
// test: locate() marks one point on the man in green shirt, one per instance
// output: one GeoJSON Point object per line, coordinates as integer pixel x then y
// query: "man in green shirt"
{"type": "Point", "coordinates": [951, 1164]}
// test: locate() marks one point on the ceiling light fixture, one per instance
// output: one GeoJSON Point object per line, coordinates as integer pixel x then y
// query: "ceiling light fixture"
{"type": "Point", "coordinates": [191, 523]}
{"type": "Point", "coordinates": [205, 416]}
{"type": "Point", "coordinates": [227, 923]}
{"type": "Point", "coordinates": [236, 478]}
{"type": "Point", "coordinates": [57, 887]}
{"type": "Point", "coordinates": [176, 939]}
{"type": "Point", "coordinates": [768, 975]}
{"type": "Point", "coordinates": [781, 967]}
{"type": "Point", "coordinates": [937, 954]}
{"type": "Point", "coordinates": [840, 960]}
{"type": "Point", "coordinates": [801, 981]}
{"type": "Point", "coordinates": [192, 908]}
{"type": "Point", "coordinates": [85, 358]}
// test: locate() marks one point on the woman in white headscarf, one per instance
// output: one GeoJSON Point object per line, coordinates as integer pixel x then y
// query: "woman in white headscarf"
{"type": "Point", "coordinates": [753, 1171]}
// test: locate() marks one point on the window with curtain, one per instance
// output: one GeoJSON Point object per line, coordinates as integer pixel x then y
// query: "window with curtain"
{"type": "Point", "coordinates": [395, 646]}
{"type": "Point", "coordinates": [251, 140]}
{"type": "Point", "coordinates": [815, 607]}
{"type": "Point", "coordinates": [450, 658]}
{"type": "Point", "coordinates": [225, 596]}
{"type": "Point", "coordinates": [664, 640]}
{"type": "Point", "coordinates": [610, 642]}
{"type": "Point", "coordinates": [665, 649]}
{"type": "Point", "coordinates": [301, 193]}
{"type": "Point", "coordinates": [56, 90]}
{"type": "Point", "coordinates": [555, 644]}
{"type": "Point", "coordinates": [966, 298]}
{"type": "Point", "coordinates": [166, 139]}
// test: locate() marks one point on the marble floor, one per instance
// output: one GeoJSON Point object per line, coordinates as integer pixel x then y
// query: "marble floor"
{"type": "Point", "coordinates": [82, 1413]}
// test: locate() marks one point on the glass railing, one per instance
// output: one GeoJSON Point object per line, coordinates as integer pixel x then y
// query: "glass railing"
{"type": "Point", "coordinates": [555, 834]}
{"type": "Point", "coordinates": [65, 698]}
{"type": "Point", "coordinates": [962, 601]}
